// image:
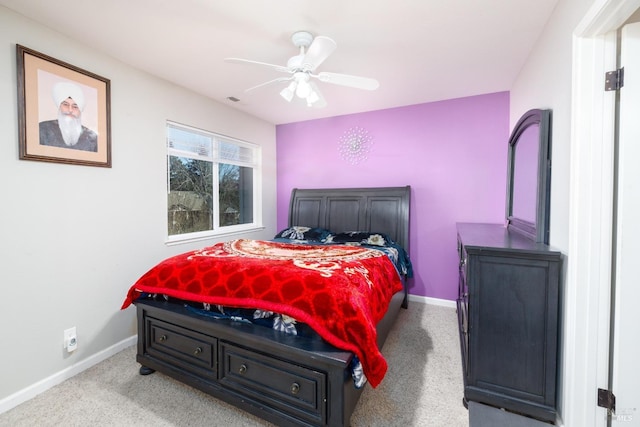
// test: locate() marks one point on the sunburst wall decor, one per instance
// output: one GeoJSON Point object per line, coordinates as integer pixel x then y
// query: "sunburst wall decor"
{"type": "Point", "coordinates": [355, 145]}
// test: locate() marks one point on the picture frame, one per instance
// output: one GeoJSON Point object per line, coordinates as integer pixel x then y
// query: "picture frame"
{"type": "Point", "coordinates": [63, 111]}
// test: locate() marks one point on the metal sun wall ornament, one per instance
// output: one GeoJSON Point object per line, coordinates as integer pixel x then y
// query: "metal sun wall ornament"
{"type": "Point", "coordinates": [355, 145]}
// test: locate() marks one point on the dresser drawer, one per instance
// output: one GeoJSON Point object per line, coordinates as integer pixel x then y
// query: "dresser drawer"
{"type": "Point", "coordinates": [174, 343]}
{"type": "Point", "coordinates": [294, 389]}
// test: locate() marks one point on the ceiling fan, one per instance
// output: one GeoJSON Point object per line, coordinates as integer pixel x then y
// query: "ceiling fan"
{"type": "Point", "coordinates": [301, 68]}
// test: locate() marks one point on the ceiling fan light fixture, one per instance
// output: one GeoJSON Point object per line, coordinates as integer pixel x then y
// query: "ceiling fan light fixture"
{"type": "Point", "coordinates": [304, 89]}
{"type": "Point", "coordinates": [312, 98]}
{"type": "Point", "coordinates": [288, 92]}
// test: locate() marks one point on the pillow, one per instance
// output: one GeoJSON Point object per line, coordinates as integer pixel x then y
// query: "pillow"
{"type": "Point", "coordinates": [361, 238]}
{"type": "Point", "coordinates": [299, 232]}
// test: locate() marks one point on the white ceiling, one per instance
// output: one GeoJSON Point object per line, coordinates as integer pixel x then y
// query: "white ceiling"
{"type": "Point", "coordinates": [419, 50]}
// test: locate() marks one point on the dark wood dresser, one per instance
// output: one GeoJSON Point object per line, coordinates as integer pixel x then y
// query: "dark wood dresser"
{"type": "Point", "coordinates": [508, 317]}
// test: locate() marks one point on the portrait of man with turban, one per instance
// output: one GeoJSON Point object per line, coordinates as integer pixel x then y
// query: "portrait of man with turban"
{"type": "Point", "coordinates": [67, 130]}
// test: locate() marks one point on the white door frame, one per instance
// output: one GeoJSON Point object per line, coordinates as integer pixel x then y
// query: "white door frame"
{"type": "Point", "coordinates": [587, 296]}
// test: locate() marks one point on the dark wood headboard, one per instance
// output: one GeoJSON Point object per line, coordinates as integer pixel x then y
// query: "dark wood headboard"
{"type": "Point", "coordinates": [382, 210]}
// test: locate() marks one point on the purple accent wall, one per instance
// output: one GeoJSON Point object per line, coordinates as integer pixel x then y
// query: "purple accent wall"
{"type": "Point", "coordinates": [452, 153]}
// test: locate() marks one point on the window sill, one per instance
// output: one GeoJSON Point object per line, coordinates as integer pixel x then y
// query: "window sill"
{"type": "Point", "coordinates": [208, 235]}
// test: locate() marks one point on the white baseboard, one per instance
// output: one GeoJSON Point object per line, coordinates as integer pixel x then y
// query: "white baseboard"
{"type": "Point", "coordinates": [432, 301]}
{"type": "Point", "coordinates": [41, 386]}
{"type": "Point", "coordinates": [33, 390]}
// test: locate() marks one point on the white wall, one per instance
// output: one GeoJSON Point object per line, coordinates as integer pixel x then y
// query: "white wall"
{"type": "Point", "coordinates": [74, 238]}
{"type": "Point", "coordinates": [545, 82]}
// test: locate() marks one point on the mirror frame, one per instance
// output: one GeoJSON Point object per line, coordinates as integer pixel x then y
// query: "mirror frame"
{"type": "Point", "coordinates": [537, 231]}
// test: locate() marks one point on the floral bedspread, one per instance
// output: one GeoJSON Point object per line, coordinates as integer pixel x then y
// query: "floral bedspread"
{"type": "Point", "coordinates": [341, 291]}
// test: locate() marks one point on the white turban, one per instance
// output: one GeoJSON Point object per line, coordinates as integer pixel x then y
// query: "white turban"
{"type": "Point", "coordinates": [64, 90]}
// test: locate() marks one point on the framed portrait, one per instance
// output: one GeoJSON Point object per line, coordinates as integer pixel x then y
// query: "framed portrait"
{"type": "Point", "coordinates": [63, 111]}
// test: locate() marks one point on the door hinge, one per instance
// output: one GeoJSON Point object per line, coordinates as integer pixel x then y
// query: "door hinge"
{"type": "Point", "coordinates": [606, 399]}
{"type": "Point", "coordinates": [614, 80]}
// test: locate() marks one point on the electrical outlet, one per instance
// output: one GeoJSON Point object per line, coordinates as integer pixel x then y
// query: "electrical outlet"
{"type": "Point", "coordinates": [70, 339]}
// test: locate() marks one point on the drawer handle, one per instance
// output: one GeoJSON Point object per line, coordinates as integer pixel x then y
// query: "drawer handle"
{"type": "Point", "coordinates": [295, 388]}
{"type": "Point", "coordinates": [163, 338]}
{"type": "Point", "coordinates": [197, 351]}
{"type": "Point", "coordinates": [242, 369]}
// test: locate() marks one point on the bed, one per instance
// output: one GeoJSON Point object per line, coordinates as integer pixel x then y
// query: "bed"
{"type": "Point", "coordinates": [283, 378]}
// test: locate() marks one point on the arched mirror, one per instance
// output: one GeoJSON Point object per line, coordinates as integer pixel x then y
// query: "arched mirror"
{"type": "Point", "coordinates": [529, 176]}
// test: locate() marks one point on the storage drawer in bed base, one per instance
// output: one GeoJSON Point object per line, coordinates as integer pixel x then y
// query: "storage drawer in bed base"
{"type": "Point", "coordinates": [285, 380]}
{"type": "Point", "coordinates": [278, 383]}
{"type": "Point", "coordinates": [176, 345]}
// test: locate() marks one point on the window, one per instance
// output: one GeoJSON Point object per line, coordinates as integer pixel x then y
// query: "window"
{"type": "Point", "coordinates": [212, 183]}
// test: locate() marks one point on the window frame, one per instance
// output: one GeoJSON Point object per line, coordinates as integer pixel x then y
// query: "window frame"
{"type": "Point", "coordinates": [216, 159]}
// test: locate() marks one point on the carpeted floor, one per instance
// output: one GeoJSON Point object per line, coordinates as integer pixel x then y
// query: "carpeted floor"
{"type": "Point", "coordinates": [423, 387]}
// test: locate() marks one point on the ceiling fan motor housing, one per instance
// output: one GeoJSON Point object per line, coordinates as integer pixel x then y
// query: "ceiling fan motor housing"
{"type": "Point", "coordinates": [295, 62]}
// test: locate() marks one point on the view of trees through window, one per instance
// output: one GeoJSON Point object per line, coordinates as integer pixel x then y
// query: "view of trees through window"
{"type": "Point", "coordinates": [190, 195]}
{"type": "Point", "coordinates": [234, 183]}
{"type": "Point", "coordinates": [206, 193]}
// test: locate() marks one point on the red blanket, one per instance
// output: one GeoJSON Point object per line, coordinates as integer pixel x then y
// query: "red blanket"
{"type": "Point", "coordinates": [341, 291]}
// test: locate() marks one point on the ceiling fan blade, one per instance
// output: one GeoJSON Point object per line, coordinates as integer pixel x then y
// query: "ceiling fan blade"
{"type": "Point", "coordinates": [347, 80]}
{"type": "Point", "coordinates": [318, 51]}
{"type": "Point", "coordinates": [263, 64]}
{"type": "Point", "coordinates": [278, 80]}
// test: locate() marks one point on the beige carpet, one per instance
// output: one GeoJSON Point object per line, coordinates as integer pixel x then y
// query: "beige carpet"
{"type": "Point", "coordinates": [423, 387]}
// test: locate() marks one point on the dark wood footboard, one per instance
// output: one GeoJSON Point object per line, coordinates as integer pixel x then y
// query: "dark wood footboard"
{"type": "Point", "coordinates": [288, 380]}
